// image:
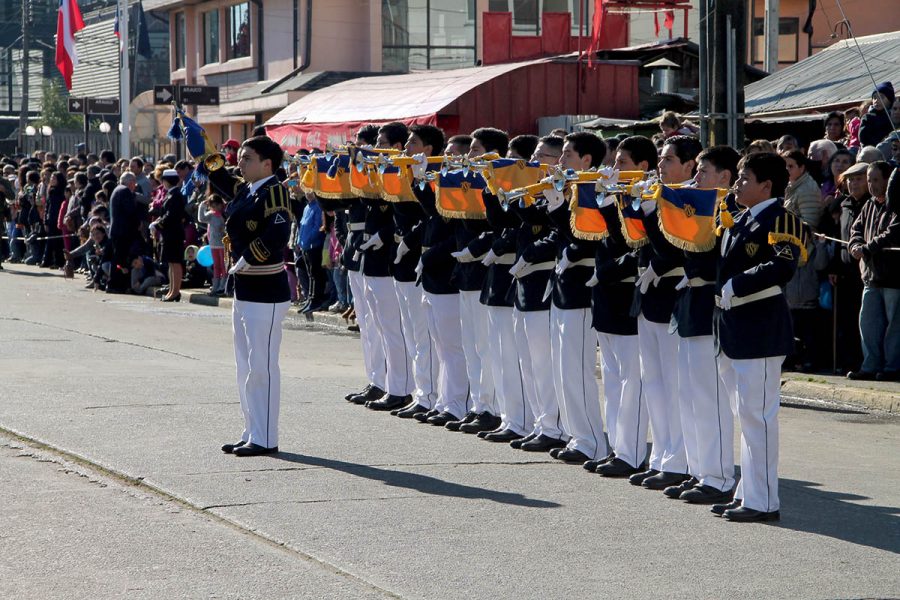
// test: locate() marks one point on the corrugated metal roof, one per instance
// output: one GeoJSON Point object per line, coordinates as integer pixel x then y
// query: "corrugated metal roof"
{"type": "Point", "coordinates": [834, 77]}
{"type": "Point", "coordinates": [97, 73]}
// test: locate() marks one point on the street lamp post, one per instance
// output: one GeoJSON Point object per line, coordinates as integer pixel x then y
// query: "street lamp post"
{"type": "Point", "coordinates": [46, 132]}
{"type": "Point", "coordinates": [30, 132]}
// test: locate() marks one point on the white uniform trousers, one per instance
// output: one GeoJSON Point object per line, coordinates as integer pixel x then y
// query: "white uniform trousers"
{"type": "Point", "coordinates": [515, 414]}
{"type": "Point", "coordinates": [755, 389]}
{"type": "Point", "coordinates": [659, 375]}
{"type": "Point", "coordinates": [573, 354]}
{"type": "Point", "coordinates": [382, 299]}
{"type": "Point", "coordinates": [257, 340]}
{"type": "Point", "coordinates": [626, 410]}
{"type": "Point", "coordinates": [473, 320]}
{"type": "Point", "coordinates": [706, 418]}
{"type": "Point", "coordinates": [533, 339]}
{"type": "Point", "coordinates": [442, 314]}
{"type": "Point", "coordinates": [419, 344]}
{"type": "Point", "coordinates": [373, 351]}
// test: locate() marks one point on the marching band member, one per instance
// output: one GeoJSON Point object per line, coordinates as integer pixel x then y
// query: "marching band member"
{"type": "Point", "coordinates": [257, 226]}
{"type": "Point", "coordinates": [573, 348]}
{"type": "Point", "coordinates": [617, 332]}
{"type": "Point", "coordinates": [752, 326]}
{"type": "Point", "coordinates": [654, 300]}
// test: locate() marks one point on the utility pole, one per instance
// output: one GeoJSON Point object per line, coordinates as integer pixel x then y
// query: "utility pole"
{"type": "Point", "coordinates": [773, 10]}
{"type": "Point", "coordinates": [26, 35]}
{"type": "Point", "coordinates": [124, 83]}
{"type": "Point", "coordinates": [728, 34]}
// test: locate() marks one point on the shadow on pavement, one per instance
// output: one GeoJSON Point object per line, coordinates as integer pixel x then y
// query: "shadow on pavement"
{"type": "Point", "coordinates": [41, 273]}
{"type": "Point", "coordinates": [412, 481]}
{"type": "Point", "coordinates": [835, 515]}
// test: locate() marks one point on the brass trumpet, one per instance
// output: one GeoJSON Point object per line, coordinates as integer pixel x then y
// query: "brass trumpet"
{"type": "Point", "coordinates": [529, 191]}
{"type": "Point", "coordinates": [214, 161]}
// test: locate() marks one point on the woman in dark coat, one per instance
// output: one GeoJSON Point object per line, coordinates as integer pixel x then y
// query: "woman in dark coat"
{"type": "Point", "coordinates": [56, 197]}
{"type": "Point", "coordinates": [171, 228]}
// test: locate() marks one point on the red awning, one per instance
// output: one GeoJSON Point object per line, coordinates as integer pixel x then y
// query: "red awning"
{"type": "Point", "coordinates": [334, 114]}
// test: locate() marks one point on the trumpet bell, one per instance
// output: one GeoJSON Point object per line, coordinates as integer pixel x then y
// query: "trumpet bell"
{"type": "Point", "coordinates": [214, 162]}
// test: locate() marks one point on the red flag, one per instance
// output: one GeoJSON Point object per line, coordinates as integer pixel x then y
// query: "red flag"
{"type": "Point", "coordinates": [596, 28]}
{"type": "Point", "coordinates": [669, 21]}
{"type": "Point", "coordinates": [68, 22]}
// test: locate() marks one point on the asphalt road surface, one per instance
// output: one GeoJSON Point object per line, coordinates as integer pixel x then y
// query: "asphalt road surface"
{"type": "Point", "coordinates": [113, 408]}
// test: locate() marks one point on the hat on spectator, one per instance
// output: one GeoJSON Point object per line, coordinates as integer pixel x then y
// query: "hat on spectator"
{"type": "Point", "coordinates": [856, 169]}
{"type": "Point", "coordinates": [170, 173]}
{"type": "Point", "coordinates": [169, 158]}
{"type": "Point", "coordinates": [869, 154]}
{"type": "Point", "coordinates": [886, 88]}
{"type": "Point", "coordinates": [231, 143]}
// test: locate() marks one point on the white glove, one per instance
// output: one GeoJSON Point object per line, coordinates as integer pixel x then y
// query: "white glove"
{"type": "Point", "coordinates": [647, 277]}
{"type": "Point", "coordinates": [683, 283]}
{"type": "Point", "coordinates": [592, 281]}
{"type": "Point", "coordinates": [154, 227]}
{"type": "Point", "coordinates": [420, 166]}
{"type": "Point", "coordinates": [648, 206]}
{"type": "Point", "coordinates": [402, 250]}
{"type": "Point", "coordinates": [608, 200]}
{"type": "Point", "coordinates": [564, 263]}
{"type": "Point", "coordinates": [518, 267]}
{"type": "Point", "coordinates": [727, 296]}
{"type": "Point", "coordinates": [374, 242]}
{"type": "Point", "coordinates": [419, 268]}
{"type": "Point", "coordinates": [489, 258]}
{"type": "Point", "coordinates": [239, 266]}
{"type": "Point", "coordinates": [463, 256]}
{"type": "Point", "coordinates": [554, 199]}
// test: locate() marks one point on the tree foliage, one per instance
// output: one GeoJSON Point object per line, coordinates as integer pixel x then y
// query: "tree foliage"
{"type": "Point", "coordinates": [55, 110]}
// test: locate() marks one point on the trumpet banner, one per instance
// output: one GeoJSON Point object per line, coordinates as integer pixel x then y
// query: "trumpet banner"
{"type": "Point", "coordinates": [585, 219]}
{"type": "Point", "coordinates": [363, 183]}
{"type": "Point", "coordinates": [687, 216]}
{"type": "Point", "coordinates": [396, 184]}
{"type": "Point", "coordinates": [509, 173]}
{"type": "Point", "coordinates": [459, 195]}
{"type": "Point", "coordinates": [632, 221]}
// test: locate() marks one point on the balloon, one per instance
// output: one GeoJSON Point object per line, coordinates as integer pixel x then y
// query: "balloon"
{"type": "Point", "coordinates": [204, 257]}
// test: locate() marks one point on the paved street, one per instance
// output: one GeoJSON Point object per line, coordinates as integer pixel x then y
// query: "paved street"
{"type": "Point", "coordinates": [113, 408]}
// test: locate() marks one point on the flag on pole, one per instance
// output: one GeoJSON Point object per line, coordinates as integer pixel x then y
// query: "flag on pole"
{"type": "Point", "coordinates": [116, 28]}
{"type": "Point", "coordinates": [68, 23]}
{"type": "Point", "coordinates": [143, 34]}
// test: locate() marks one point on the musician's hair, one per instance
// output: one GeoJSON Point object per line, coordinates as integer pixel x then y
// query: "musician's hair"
{"type": "Point", "coordinates": [461, 139]}
{"type": "Point", "coordinates": [493, 140]}
{"type": "Point", "coordinates": [640, 149]}
{"type": "Point", "coordinates": [395, 132]}
{"type": "Point", "coordinates": [553, 141]}
{"type": "Point", "coordinates": [430, 136]}
{"type": "Point", "coordinates": [368, 133]}
{"type": "Point", "coordinates": [722, 158]}
{"type": "Point", "coordinates": [687, 147]}
{"type": "Point", "coordinates": [524, 145]}
{"type": "Point", "coordinates": [267, 149]}
{"type": "Point", "coordinates": [585, 142]}
{"type": "Point", "coordinates": [767, 166]}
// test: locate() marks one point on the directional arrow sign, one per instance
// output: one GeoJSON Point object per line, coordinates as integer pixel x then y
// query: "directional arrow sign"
{"type": "Point", "coordinates": [163, 94]}
{"type": "Point", "coordinates": [200, 94]}
{"type": "Point", "coordinates": [103, 106]}
{"type": "Point", "coordinates": [76, 105]}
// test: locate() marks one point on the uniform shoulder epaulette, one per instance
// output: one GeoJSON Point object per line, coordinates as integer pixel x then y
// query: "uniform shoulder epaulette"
{"type": "Point", "coordinates": [790, 229]}
{"type": "Point", "coordinates": [277, 201]}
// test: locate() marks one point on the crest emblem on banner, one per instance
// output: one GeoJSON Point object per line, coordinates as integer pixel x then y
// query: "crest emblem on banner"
{"type": "Point", "coordinates": [251, 225]}
{"type": "Point", "coordinates": [689, 210]}
{"type": "Point", "coordinates": [751, 248]}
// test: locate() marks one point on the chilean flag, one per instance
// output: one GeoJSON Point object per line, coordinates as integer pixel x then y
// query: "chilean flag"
{"type": "Point", "coordinates": [68, 22]}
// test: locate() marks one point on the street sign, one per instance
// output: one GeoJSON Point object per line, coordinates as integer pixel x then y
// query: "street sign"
{"type": "Point", "coordinates": [103, 106]}
{"type": "Point", "coordinates": [163, 94]}
{"type": "Point", "coordinates": [199, 94]}
{"type": "Point", "coordinates": [76, 105]}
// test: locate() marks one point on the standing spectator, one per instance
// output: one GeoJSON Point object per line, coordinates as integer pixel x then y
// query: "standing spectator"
{"type": "Point", "coordinates": [337, 272]}
{"type": "Point", "coordinates": [90, 191]}
{"type": "Point", "coordinates": [230, 149]}
{"type": "Point", "coordinates": [876, 123]}
{"type": "Point", "coordinates": [210, 212]}
{"type": "Point", "coordinates": [885, 145]}
{"type": "Point", "coordinates": [840, 161]}
{"type": "Point", "coordinates": [876, 229]}
{"type": "Point", "coordinates": [786, 143]}
{"type": "Point", "coordinates": [56, 198]}
{"type": "Point", "coordinates": [171, 228]}
{"type": "Point", "coordinates": [123, 219]}
{"type": "Point", "coordinates": [311, 240]}
{"type": "Point", "coordinates": [802, 196]}
{"type": "Point", "coordinates": [819, 153]}
{"type": "Point", "coordinates": [834, 129]}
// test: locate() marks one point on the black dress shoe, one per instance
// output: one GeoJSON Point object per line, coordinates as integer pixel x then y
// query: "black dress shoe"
{"type": "Point", "coordinates": [675, 491]}
{"type": "Point", "coordinates": [748, 515]}
{"type": "Point", "coordinates": [351, 394]}
{"type": "Point", "coordinates": [229, 448]}
{"type": "Point", "coordinates": [423, 417]}
{"type": "Point", "coordinates": [592, 465]}
{"type": "Point", "coordinates": [662, 480]}
{"type": "Point", "coordinates": [503, 437]}
{"type": "Point", "coordinates": [441, 419]}
{"type": "Point", "coordinates": [387, 402]}
{"type": "Point", "coordinates": [517, 444]}
{"type": "Point", "coordinates": [373, 392]}
{"type": "Point", "coordinates": [616, 468]}
{"type": "Point", "coordinates": [543, 443]}
{"type": "Point", "coordinates": [467, 418]}
{"type": "Point", "coordinates": [254, 450]}
{"type": "Point", "coordinates": [409, 404]}
{"type": "Point", "coordinates": [554, 452]}
{"type": "Point", "coordinates": [706, 494]}
{"type": "Point", "coordinates": [862, 375]}
{"type": "Point", "coordinates": [719, 509]}
{"type": "Point", "coordinates": [482, 422]}
{"type": "Point", "coordinates": [411, 411]}
{"type": "Point", "coordinates": [638, 478]}
{"type": "Point", "coordinates": [484, 434]}
{"type": "Point", "coordinates": [572, 456]}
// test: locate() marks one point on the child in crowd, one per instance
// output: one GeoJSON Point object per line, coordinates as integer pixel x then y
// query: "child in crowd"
{"type": "Point", "coordinates": [210, 212]}
{"type": "Point", "coordinates": [145, 274]}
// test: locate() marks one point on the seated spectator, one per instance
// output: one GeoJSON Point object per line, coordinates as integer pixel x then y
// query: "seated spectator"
{"type": "Point", "coordinates": [145, 274]}
{"type": "Point", "coordinates": [671, 125]}
{"type": "Point", "coordinates": [876, 229]}
{"type": "Point", "coordinates": [102, 257]}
